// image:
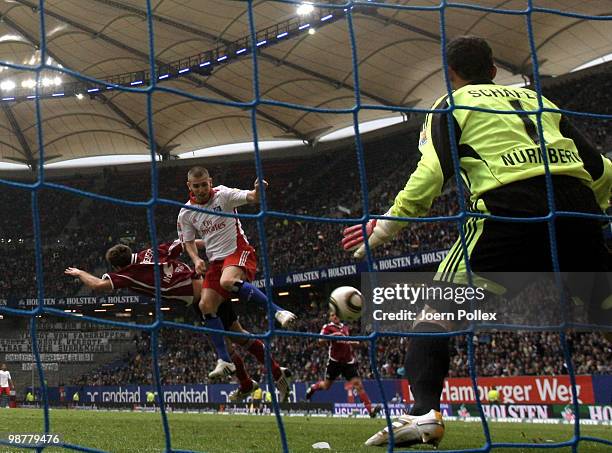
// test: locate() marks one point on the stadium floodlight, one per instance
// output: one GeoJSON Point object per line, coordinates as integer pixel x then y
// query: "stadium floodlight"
{"type": "Point", "coordinates": [312, 31]}
{"type": "Point", "coordinates": [79, 96]}
{"type": "Point", "coordinates": [281, 35]}
{"type": "Point", "coordinates": [302, 27]}
{"type": "Point", "coordinates": [46, 81]}
{"type": "Point", "coordinates": [7, 85]}
{"type": "Point", "coordinates": [305, 9]}
{"type": "Point", "coordinates": [28, 83]}
{"type": "Point", "coordinates": [57, 81]}
{"type": "Point", "coordinates": [324, 18]}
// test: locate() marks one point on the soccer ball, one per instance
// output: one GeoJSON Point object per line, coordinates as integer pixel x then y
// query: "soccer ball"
{"type": "Point", "coordinates": [346, 302]}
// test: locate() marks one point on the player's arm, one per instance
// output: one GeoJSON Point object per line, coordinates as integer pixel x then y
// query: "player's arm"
{"type": "Point", "coordinates": [91, 281]}
{"type": "Point", "coordinates": [253, 195]}
{"type": "Point", "coordinates": [598, 166]}
{"type": "Point", "coordinates": [423, 186]}
{"type": "Point", "coordinates": [187, 236]}
{"type": "Point", "coordinates": [191, 247]}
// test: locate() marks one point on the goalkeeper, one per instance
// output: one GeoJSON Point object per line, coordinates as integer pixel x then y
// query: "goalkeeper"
{"type": "Point", "coordinates": [503, 173]}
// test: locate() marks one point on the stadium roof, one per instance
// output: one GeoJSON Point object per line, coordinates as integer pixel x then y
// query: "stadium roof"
{"type": "Point", "coordinates": [203, 51]}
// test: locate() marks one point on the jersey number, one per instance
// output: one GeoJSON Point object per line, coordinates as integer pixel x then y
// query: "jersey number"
{"type": "Point", "coordinates": [530, 126]}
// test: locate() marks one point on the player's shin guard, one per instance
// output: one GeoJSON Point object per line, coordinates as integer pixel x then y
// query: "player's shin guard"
{"type": "Point", "coordinates": [427, 362]}
{"type": "Point", "coordinates": [247, 293]}
{"type": "Point", "coordinates": [258, 350]}
{"type": "Point", "coordinates": [212, 322]}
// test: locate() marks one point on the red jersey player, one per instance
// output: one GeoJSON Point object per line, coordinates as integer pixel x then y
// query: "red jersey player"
{"type": "Point", "coordinates": [232, 259]}
{"type": "Point", "coordinates": [179, 282]}
{"type": "Point", "coordinates": [341, 362]}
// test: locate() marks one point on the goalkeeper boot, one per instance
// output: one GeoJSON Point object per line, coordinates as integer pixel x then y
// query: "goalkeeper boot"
{"type": "Point", "coordinates": [282, 384]}
{"type": "Point", "coordinates": [239, 394]}
{"type": "Point", "coordinates": [411, 430]}
{"type": "Point", "coordinates": [222, 370]}
{"type": "Point", "coordinates": [285, 318]}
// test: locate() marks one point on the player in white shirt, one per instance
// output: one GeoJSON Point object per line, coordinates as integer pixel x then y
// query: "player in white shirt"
{"type": "Point", "coordinates": [232, 260]}
{"type": "Point", "coordinates": [6, 383]}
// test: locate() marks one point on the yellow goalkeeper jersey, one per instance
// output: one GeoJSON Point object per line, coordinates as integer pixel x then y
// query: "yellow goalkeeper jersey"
{"type": "Point", "coordinates": [497, 149]}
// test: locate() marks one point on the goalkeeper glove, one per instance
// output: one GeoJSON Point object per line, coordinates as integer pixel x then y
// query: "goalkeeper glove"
{"type": "Point", "coordinates": [378, 232]}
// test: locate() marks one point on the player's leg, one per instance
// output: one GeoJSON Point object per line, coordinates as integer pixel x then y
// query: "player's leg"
{"type": "Point", "coordinates": [351, 376]}
{"type": "Point", "coordinates": [257, 349]}
{"type": "Point", "coordinates": [209, 303]}
{"type": "Point", "coordinates": [247, 385]}
{"type": "Point", "coordinates": [332, 372]}
{"type": "Point", "coordinates": [241, 267]}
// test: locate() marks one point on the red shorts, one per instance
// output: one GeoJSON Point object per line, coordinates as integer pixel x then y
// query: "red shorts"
{"type": "Point", "coordinates": [244, 258]}
{"type": "Point", "coordinates": [5, 390]}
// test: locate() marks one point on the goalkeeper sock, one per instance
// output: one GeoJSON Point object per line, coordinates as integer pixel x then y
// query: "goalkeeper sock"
{"type": "Point", "coordinates": [247, 292]}
{"type": "Point", "coordinates": [241, 373]}
{"type": "Point", "coordinates": [258, 350]}
{"type": "Point", "coordinates": [427, 362]}
{"type": "Point", "coordinates": [212, 322]}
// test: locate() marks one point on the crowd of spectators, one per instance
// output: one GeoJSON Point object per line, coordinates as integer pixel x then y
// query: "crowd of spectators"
{"type": "Point", "coordinates": [186, 357]}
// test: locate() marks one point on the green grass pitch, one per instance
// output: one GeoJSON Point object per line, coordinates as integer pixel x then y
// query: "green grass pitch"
{"type": "Point", "coordinates": [132, 432]}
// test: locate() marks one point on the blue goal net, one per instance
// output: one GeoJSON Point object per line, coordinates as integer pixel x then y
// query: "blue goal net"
{"type": "Point", "coordinates": [339, 11]}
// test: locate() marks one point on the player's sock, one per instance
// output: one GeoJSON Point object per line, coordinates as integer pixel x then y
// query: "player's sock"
{"type": "Point", "coordinates": [247, 293]}
{"type": "Point", "coordinates": [241, 373]}
{"type": "Point", "coordinates": [212, 322]}
{"type": "Point", "coordinates": [258, 350]}
{"type": "Point", "coordinates": [427, 362]}
{"type": "Point", "coordinates": [365, 399]}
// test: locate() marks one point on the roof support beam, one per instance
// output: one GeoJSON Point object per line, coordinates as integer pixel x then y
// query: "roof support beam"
{"type": "Point", "coordinates": [285, 127]}
{"type": "Point", "coordinates": [25, 146]}
{"type": "Point", "coordinates": [434, 36]}
{"type": "Point", "coordinates": [124, 116]}
{"type": "Point", "coordinates": [215, 39]}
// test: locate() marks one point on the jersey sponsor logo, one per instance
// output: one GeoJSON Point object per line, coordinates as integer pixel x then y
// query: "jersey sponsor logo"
{"type": "Point", "coordinates": [211, 228]}
{"type": "Point", "coordinates": [534, 156]}
{"type": "Point", "coordinates": [168, 270]}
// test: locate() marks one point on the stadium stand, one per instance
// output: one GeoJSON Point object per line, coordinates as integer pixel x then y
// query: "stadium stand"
{"type": "Point", "coordinates": [77, 231]}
